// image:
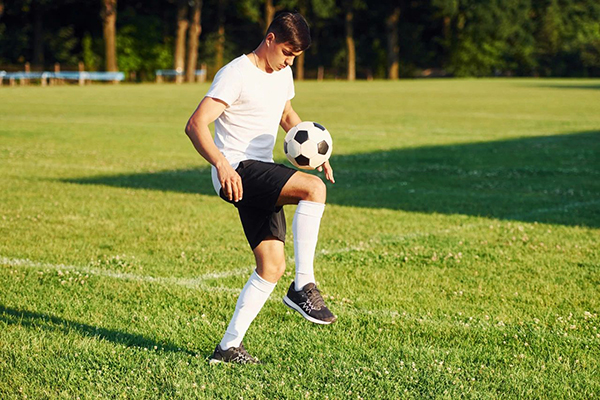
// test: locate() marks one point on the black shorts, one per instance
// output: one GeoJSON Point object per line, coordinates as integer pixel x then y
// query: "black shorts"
{"type": "Point", "coordinates": [262, 183]}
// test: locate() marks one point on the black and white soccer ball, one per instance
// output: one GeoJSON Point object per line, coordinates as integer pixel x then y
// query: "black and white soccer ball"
{"type": "Point", "coordinates": [308, 145]}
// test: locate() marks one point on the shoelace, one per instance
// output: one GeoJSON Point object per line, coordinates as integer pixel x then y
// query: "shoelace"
{"type": "Point", "coordinates": [315, 298]}
{"type": "Point", "coordinates": [242, 355]}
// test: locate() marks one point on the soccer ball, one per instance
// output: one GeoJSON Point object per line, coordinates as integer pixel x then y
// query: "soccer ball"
{"type": "Point", "coordinates": [307, 145]}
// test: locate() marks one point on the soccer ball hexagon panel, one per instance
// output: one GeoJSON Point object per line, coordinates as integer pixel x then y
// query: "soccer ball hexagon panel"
{"type": "Point", "coordinates": [308, 145]}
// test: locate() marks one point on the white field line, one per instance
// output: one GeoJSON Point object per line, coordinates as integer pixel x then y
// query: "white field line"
{"type": "Point", "coordinates": [192, 283]}
{"type": "Point", "coordinates": [197, 284]}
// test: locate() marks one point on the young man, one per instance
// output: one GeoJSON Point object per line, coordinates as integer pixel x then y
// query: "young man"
{"type": "Point", "coordinates": [248, 100]}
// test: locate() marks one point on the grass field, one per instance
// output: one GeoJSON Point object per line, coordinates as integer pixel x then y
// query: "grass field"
{"type": "Point", "coordinates": [460, 247]}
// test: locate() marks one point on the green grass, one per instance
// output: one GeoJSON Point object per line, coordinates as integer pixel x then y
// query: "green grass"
{"type": "Point", "coordinates": [459, 247]}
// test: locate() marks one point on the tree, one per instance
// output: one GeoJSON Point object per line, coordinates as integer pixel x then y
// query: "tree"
{"type": "Point", "coordinates": [220, 43]}
{"type": "Point", "coordinates": [483, 38]}
{"type": "Point", "coordinates": [109, 20]}
{"type": "Point", "coordinates": [393, 50]}
{"type": "Point", "coordinates": [193, 35]}
{"type": "Point", "coordinates": [319, 14]}
{"type": "Point", "coordinates": [350, 46]}
{"type": "Point", "coordinates": [182, 27]}
{"type": "Point", "coordinates": [38, 34]}
{"type": "Point", "coordinates": [270, 11]}
{"type": "Point", "coordinates": [263, 11]}
{"type": "Point", "coordinates": [300, 59]}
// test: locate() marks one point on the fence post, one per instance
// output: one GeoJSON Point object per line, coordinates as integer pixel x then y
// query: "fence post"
{"type": "Point", "coordinates": [81, 70]}
{"type": "Point", "coordinates": [56, 71]}
{"type": "Point", "coordinates": [202, 76]}
{"type": "Point", "coordinates": [179, 76]}
{"type": "Point", "coordinates": [320, 73]}
{"type": "Point", "coordinates": [25, 81]}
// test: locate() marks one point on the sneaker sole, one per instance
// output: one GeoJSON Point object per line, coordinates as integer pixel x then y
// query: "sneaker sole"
{"type": "Point", "coordinates": [213, 361]}
{"type": "Point", "coordinates": [294, 306]}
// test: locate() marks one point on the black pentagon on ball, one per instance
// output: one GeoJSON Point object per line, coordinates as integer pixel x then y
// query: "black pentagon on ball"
{"type": "Point", "coordinates": [323, 147]}
{"type": "Point", "coordinates": [285, 147]}
{"type": "Point", "coordinates": [321, 127]}
{"type": "Point", "coordinates": [301, 160]}
{"type": "Point", "coordinates": [301, 136]}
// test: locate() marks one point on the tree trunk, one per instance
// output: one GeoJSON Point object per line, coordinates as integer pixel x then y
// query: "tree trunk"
{"type": "Point", "coordinates": [300, 67]}
{"type": "Point", "coordinates": [182, 27]}
{"type": "Point", "coordinates": [220, 45]}
{"type": "Point", "coordinates": [350, 47]}
{"type": "Point", "coordinates": [393, 50]}
{"type": "Point", "coordinates": [193, 34]}
{"type": "Point", "coordinates": [38, 34]}
{"type": "Point", "coordinates": [447, 28]}
{"type": "Point", "coordinates": [109, 20]}
{"type": "Point", "coordinates": [300, 60]}
{"type": "Point", "coordinates": [1, 8]}
{"type": "Point", "coordinates": [270, 11]}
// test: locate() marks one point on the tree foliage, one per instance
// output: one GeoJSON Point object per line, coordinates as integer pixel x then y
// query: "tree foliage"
{"type": "Point", "coordinates": [453, 37]}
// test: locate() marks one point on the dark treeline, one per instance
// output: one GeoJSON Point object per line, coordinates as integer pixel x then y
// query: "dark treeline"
{"type": "Point", "coordinates": [351, 38]}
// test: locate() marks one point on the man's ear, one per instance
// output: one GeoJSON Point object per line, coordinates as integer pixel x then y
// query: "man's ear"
{"type": "Point", "coordinates": [270, 38]}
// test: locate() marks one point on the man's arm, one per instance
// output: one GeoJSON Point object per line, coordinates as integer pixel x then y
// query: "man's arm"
{"type": "Point", "coordinates": [199, 133]}
{"type": "Point", "coordinates": [289, 119]}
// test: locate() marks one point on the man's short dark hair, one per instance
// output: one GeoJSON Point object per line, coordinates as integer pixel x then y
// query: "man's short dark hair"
{"type": "Point", "coordinates": [291, 28]}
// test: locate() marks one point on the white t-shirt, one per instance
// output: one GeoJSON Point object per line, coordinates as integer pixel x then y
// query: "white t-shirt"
{"type": "Point", "coordinates": [248, 127]}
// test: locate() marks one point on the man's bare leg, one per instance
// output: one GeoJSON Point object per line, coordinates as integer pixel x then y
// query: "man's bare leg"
{"type": "Point", "coordinates": [270, 265]}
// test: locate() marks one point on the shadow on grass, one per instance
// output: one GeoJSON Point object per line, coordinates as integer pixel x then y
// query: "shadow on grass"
{"type": "Point", "coordinates": [592, 87]}
{"type": "Point", "coordinates": [551, 179]}
{"type": "Point", "coordinates": [574, 85]}
{"type": "Point", "coordinates": [32, 319]}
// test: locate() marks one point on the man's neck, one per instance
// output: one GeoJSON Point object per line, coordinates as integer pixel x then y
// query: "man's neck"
{"type": "Point", "coordinates": [259, 58]}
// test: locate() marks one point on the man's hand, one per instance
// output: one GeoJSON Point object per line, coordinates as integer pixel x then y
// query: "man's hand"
{"type": "Point", "coordinates": [328, 171]}
{"type": "Point", "coordinates": [231, 182]}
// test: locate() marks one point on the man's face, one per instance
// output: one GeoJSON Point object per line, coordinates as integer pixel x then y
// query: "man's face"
{"type": "Point", "coordinates": [280, 55]}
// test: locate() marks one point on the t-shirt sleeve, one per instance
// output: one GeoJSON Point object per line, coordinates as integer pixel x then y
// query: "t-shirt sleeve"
{"type": "Point", "coordinates": [226, 86]}
{"type": "Point", "coordinates": [291, 91]}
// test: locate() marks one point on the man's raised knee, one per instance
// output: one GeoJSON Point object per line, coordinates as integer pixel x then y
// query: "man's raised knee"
{"type": "Point", "coordinates": [271, 272]}
{"type": "Point", "coordinates": [317, 191]}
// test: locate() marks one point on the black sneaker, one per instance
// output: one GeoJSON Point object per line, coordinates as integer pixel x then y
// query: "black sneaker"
{"type": "Point", "coordinates": [309, 302]}
{"type": "Point", "coordinates": [237, 355]}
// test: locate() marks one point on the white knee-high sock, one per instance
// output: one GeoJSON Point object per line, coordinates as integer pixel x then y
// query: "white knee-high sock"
{"type": "Point", "coordinates": [252, 298]}
{"type": "Point", "coordinates": [305, 228]}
